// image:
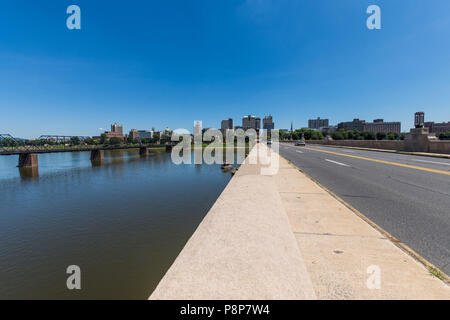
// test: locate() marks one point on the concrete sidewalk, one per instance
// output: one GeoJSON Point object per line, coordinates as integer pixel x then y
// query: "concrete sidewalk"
{"type": "Point", "coordinates": [284, 237]}
{"type": "Point", "coordinates": [339, 247]}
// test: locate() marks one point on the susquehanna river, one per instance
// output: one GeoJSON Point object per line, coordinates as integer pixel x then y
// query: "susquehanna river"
{"type": "Point", "coordinates": [123, 223]}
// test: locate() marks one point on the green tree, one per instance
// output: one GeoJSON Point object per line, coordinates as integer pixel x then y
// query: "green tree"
{"type": "Point", "coordinates": [9, 143]}
{"type": "Point", "coordinates": [296, 135]}
{"type": "Point", "coordinates": [130, 140]}
{"type": "Point", "coordinates": [75, 141]}
{"type": "Point", "coordinates": [381, 135]}
{"type": "Point", "coordinates": [310, 134]}
{"type": "Point", "coordinates": [165, 139]}
{"type": "Point", "coordinates": [103, 138]}
{"type": "Point", "coordinates": [338, 135]}
{"type": "Point", "coordinates": [282, 135]}
{"type": "Point", "coordinates": [317, 135]}
{"type": "Point", "coordinates": [392, 136]}
{"type": "Point", "coordinates": [115, 141]}
{"type": "Point", "coordinates": [445, 135]}
{"type": "Point", "coordinates": [155, 138]}
{"type": "Point", "coordinates": [369, 135]}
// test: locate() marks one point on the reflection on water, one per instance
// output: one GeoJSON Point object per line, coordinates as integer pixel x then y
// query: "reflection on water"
{"type": "Point", "coordinates": [29, 172]}
{"type": "Point", "coordinates": [97, 163]}
{"type": "Point", "coordinates": [122, 221]}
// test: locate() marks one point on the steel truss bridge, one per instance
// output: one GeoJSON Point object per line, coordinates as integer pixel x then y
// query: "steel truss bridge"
{"type": "Point", "coordinates": [60, 143]}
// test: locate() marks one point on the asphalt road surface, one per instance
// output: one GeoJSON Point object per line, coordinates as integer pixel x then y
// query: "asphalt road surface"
{"type": "Point", "coordinates": [408, 196]}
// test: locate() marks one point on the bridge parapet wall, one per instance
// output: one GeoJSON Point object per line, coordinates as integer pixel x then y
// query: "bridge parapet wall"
{"type": "Point", "coordinates": [398, 145]}
{"type": "Point", "coordinates": [412, 143]}
{"type": "Point", "coordinates": [243, 249]}
{"type": "Point", "coordinates": [442, 147]}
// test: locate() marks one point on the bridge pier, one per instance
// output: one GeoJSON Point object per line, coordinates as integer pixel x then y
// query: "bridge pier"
{"type": "Point", "coordinates": [97, 155]}
{"type": "Point", "coordinates": [28, 160]}
{"type": "Point", "coordinates": [143, 151]}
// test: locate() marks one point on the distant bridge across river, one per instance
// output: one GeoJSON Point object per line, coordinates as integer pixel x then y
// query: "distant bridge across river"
{"type": "Point", "coordinates": [28, 153]}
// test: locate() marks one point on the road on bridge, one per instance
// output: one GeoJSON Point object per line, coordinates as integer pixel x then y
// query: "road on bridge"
{"type": "Point", "coordinates": [406, 195]}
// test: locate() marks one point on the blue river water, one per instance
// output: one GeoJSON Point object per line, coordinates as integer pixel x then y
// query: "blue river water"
{"type": "Point", "coordinates": [123, 222]}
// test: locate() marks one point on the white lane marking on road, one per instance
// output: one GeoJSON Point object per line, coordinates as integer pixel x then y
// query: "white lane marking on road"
{"type": "Point", "coordinates": [445, 164]}
{"type": "Point", "coordinates": [300, 151]}
{"type": "Point", "coordinates": [341, 164]}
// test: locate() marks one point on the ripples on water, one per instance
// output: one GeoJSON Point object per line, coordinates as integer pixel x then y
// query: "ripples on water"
{"type": "Point", "coordinates": [123, 222]}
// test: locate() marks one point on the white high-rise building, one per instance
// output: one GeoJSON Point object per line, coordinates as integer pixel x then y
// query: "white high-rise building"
{"type": "Point", "coordinates": [197, 128]}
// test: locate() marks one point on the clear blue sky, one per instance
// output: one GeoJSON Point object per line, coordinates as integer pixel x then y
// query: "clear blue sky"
{"type": "Point", "coordinates": [168, 63]}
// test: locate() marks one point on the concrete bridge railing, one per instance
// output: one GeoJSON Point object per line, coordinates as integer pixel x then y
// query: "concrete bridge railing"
{"type": "Point", "coordinates": [243, 249]}
{"type": "Point", "coordinates": [418, 140]}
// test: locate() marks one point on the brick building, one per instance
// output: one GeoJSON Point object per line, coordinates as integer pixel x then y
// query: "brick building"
{"type": "Point", "coordinates": [379, 125]}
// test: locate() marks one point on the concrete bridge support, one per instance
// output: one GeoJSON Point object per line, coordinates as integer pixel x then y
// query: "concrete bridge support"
{"type": "Point", "coordinates": [143, 151]}
{"type": "Point", "coordinates": [28, 160]}
{"type": "Point", "coordinates": [97, 155]}
{"type": "Point", "coordinates": [418, 140]}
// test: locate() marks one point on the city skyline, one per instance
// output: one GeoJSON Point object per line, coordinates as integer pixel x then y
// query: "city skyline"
{"type": "Point", "coordinates": [214, 124]}
{"type": "Point", "coordinates": [165, 67]}
{"type": "Point", "coordinates": [360, 125]}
